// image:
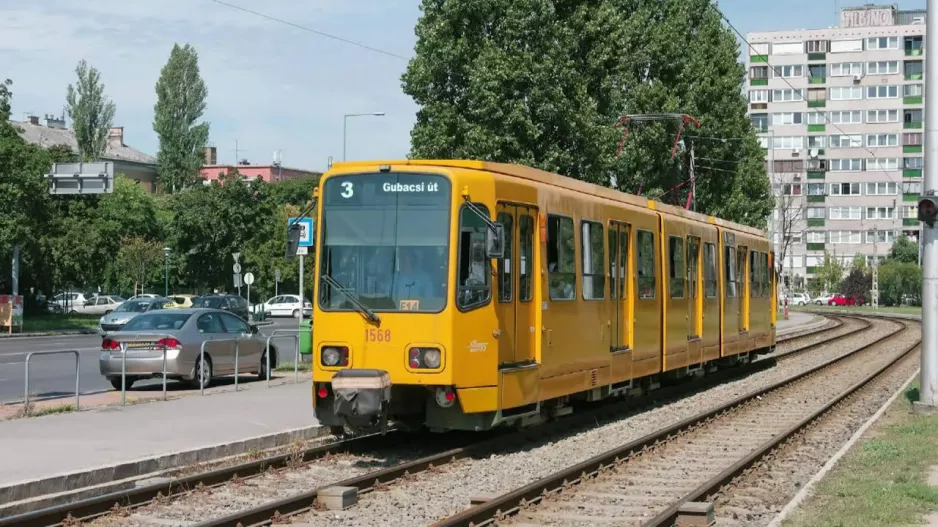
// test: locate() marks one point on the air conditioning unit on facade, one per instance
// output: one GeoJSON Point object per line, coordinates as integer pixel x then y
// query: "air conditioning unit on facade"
{"type": "Point", "coordinates": [796, 152]}
{"type": "Point", "coordinates": [813, 152]}
{"type": "Point", "coordinates": [857, 79]}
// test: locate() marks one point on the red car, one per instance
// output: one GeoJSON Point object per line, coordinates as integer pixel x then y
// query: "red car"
{"type": "Point", "coordinates": [841, 300]}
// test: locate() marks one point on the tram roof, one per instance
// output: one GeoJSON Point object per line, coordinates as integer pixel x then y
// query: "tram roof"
{"type": "Point", "coordinates": [557, 180]}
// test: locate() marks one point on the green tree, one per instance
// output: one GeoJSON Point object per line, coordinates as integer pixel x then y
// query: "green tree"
{"type": "Point", "coordinates": [543, 83]}
{"type": "Point", "coordinates": [859, 262]}
{"type": "Point", "coordinates": [830, 273]}
{"type": "Point", "coordinates": [899, 282]}
{"type": "Point", "coordinates": [857, 284]}
{"type": "Point", "coordinates": [180, 102]}
{"type": "Point", "coordinates": [904, 250]}
{"type": "Point", "coordinates": [137, 258]}
{"type": "Point", "coordinates": [91, 111]}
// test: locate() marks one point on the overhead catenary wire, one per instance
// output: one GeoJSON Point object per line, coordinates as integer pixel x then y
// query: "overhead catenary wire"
{"type": "Point", "coordinates": [311, 30]}
{"type": "Point", "coordinates": [790, 85]}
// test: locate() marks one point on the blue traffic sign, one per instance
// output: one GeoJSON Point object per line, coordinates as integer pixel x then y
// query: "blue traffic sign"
{"type": "Point", "coordinates": [306, 231]}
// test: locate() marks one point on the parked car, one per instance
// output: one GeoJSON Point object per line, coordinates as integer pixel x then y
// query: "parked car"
{"type": "Point", "coordinates": [182, 332]}
{"type": "Point", "coordinates": [67, 301]}
{"type": "Point", "coordinates": [232, 303]}
{"type": "Point", "coordinates": [799, 299]}
{"type": "Point", "coordinates": [99, 305]}
{"type": "Point", "coordinates": [288, 306]}
{"type": "Point", "coordinates": [115, 320]}
{"type": "Point", "coordinates": [181, 301]}
{"type": "Point", "coordinates": [824, 299]}
{"type": "Point", "coordinates": [144, 295]}
{"type": "Point", "coordinates": [841, 300]}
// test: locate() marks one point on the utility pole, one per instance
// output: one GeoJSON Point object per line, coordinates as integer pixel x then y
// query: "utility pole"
{"type": "Point", "coordinates": [874, 292]}
{"type": "Point", "coordinates": [928, 395]}
{"type": "Point", "coordinates": [693, 181]}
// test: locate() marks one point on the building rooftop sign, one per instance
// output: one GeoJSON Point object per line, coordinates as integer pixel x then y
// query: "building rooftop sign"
{"type": "Point", "coordinates": [868, 16]}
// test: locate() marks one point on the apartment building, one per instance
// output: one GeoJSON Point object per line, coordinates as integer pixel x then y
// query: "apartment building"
{"type": "Point", "coordinates": [840, 112]}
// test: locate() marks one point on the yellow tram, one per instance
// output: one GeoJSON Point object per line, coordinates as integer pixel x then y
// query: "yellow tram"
{"type": "Point", "coordinates": [457, 294]}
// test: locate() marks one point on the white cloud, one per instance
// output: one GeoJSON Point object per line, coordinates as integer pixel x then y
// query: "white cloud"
{"type": "Point", "coordinates": [271, 86]}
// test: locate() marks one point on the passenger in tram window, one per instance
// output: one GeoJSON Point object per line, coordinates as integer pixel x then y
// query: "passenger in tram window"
{"type": "Point", "coordinates": [411, 282]}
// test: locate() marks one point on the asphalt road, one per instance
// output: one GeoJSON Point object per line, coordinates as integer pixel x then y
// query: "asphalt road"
{"type": "Point", "coordinates": [51, 375]}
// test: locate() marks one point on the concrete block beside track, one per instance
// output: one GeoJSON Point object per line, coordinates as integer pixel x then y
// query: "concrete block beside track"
{"type": "Point", "coordinates": [60, 453]}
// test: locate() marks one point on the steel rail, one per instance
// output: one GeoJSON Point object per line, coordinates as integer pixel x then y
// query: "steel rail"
{"type": "Point", "coordinates": [711, 487]}
{"type": "Point", "coordinates": [838, 321]}
{"type": "Point", "coordinates": [830, 340]}
{"type": "Point", "coordinates": [512, 502]}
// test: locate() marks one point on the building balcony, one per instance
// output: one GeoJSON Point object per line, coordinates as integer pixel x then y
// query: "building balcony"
{"type": "Point", "coordinates": [815, 222]}
{"type": "Point", "coordinates": [914, 99]}
{"type": "Point", "coordinates": [758, 82]}
{"type": "Point", "coordinates": [817, 56]}
{"type": "Point", "coordinates": [913, 76]}
{"type": "Point", "coordinates": [912, 149]}
{"type": "Point", "coordinates": [817, 127]}
{"type": "Point", "coordinates": [817, 80]}
{"type": "Point", "coordinates": [913, 53]}
{"type": "Point", "coordinates": [817, 104]}
{"type": "Point", "coordinates": [811, 269]}
{"type": "Point", "coordinates": [916, 125]}
{"type": "Point", "coordinates": [816, 199]}
{"type": "Point", "coordinates": [758, 58]}
{"type": "Point", "coordinates": [910, 197]}
{"type": "Point", "coordinates": [815, 246]}
{"type": "Point", "coordinates": [816, 174]}
{"type": "Point", "coordinates": [912, 172]}
{"type": "Point", "coordinates": [910, 222]}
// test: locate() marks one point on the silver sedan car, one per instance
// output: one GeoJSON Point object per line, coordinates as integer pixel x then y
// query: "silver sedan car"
{"type": "Point", "coordinates": [181, 332]}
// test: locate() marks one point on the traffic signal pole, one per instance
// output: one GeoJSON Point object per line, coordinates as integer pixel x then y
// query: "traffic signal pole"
{"type": "Point", "coordinates": [928, 398]}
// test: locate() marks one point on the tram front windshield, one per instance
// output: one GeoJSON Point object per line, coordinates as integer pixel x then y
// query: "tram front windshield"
{"type": "Point", "coordinates": [385, 241]}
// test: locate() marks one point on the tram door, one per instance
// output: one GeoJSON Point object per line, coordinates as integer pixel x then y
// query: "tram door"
{"type": "Point", "coordinates": [619, 284]}
{"type": "Point", "coordinates": [742, 258]}
{"type": "Point", "coordinates": [515, 285]}
{"type": "Point", "coordinates": [693, 283]}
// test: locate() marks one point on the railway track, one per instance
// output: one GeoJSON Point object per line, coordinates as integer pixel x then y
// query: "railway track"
{"type": "Point", "coordinates": [237, 494]}
{"type": "Point", "coordinates": [845, 326]}
{"type": "Point", "coordinates": [831, 322]}
{"type": "Point", "coordinates": [646, 481]}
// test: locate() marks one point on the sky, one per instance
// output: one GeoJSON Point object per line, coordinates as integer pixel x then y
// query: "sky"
{"type": "Point", "coordinates": [272, 86]}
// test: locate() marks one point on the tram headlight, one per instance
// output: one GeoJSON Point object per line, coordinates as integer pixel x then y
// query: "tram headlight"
{"type": "Point", "coordinates": [332, 356]}
{"type": "Point", "coordinates": [424, 358]}
{"type": "Point", "coordinates": [431, 358]}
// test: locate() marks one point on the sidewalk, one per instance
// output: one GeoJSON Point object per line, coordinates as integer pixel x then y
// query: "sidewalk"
{"type": "Point", "coordinates": [796, 320]}
{"type": "Point", "coordinates": [56, 453]}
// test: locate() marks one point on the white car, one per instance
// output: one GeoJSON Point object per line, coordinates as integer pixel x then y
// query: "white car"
{"type": "Point", "coordinates": [99, 305]}
{"type": "Point", "coordinates": [823, 299]}
{"type": "Point", "coordinates": [143, 296]}
{"type": "Point", "coordinates": [799, 299]}
{"type": "Point", "coordinates": [67, 302]}
{"type": "Point", "coordinates": [287, 306]}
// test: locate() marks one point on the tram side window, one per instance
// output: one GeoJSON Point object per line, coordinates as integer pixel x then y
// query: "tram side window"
{"type": "Point", "coordinates": [618, 261]}
{"type": "Point", "coordinates": [741, 270]}
{"type": "Point", "coordinates": [561, 260]}
{"type": "Point", "coordinates": [693, 257]}
{"type": "Point", "coordinates": [710, 270]}
{"type": "Point", "coordinates": [676, 266]}
{"type": "Point", "coordinates": [594, 277]}
{"type": "Point", "coordinates": [505, 276]}
{"type": "Point", "coordinates": [646, 265]}
{"type": "Point", "coordinates": [526, 280]}
{"type": "Point", "coordinates": [474, 288]}
{"type": "Point", "coordinates": [729, 262]}
{"type": "Point", "coordinates": [766, 286]}
{"type": "Point", "coordinates": [755, 288]}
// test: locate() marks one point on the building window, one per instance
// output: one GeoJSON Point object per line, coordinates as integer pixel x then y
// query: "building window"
{"type": "Point", "coordinates": [912, 90]}
{"type": "Point", "coordinates": [816, 213]}
{"type": "Point", "coordinates": [912, 116]}
{"type": "Point", "coordinates": [912, 67]}
{"type": "Point", "coordinates": [910, 212]}
{"type": "Point", "coordinates": [787, 48]}
{"type": "Point", "coordinates": [816, 118]}
{"type": "Point", "coordinates": [877, 140]}
{"type": "Point", "coordinates": [913, 43]}
{"type": "Point", "coordinates": [879, 237]}
{"type": "Point", "coordinates": [846, 93]}
{"type": "Point", "coordinates": [882, 92]}
{"type": "Point", "coordinates": [594, 276]}
{"type": "Point", "coordinates": [882, 116]}
{"type": "Point", "coordinates": [846, 46]}
{"type": "Point", "coordinates": [883, 67]}
{"type": "Point", "coordinates": [912, 187]}
{"type": "Point", "coordinates": [846, 165]}
{"type": "Point", "coordinates": [676, 269]}
{"type": "Point", "coordinates": [846, 213]}
{"type": "Point", "coordinates": [759, 48]}
{"type": "Point", "coordinates": [844, 189]}
{"type": "Point", "coordinates": [817, 164]}
{"type": "Point", "coordinates": [880, 213]}
{"type": "Point", "coordinates": [817, 141]}
{"type": "Point", "coordinates": [786, 165]}
{"type": "Point", "coordinates": [816, 189]}
{"type": "Point", "coordinates": [759, 96]}
{"type": "Point", "coordinates": [838, 237]}
{"type": "Point", "coordinates": [913, 139]}
{"type": "Point", "coordinates": [789, 71]}
{"type": "Point", "coordinates": [882, 188]}
{"type": "Point", "coordinates": [879, 43]}
{"type": "Point", "coordinates": [817, 94]}
{"type": "Point", "coordinates": [759, 72]}
{"type": "Point", "coordinates": [787, 142]}
{"type": "Point", "coordinates": [882, 164]}
{"type": "Point", "coordinates": [846, 69]}
{"type": "Point", "coordinates": [787, 96]}
{"type": "Point", "coordinates": [791, 189]}
{"type": "Point", "coordinates": [847, 117]}
{"type": "Point", "coordinates": [816, 236]}
{"type": "Point", "coordinates": [786, 118]}
{"type": "Point", "coordinates": [912, 163]}
{"type": "Point", "coordinates": [561, 261]}
{"type": "Point", "coordinates": [817, 46]}
{"type": "Point", "coordinates": [846, 141]}
{"type": "Point", "coordinates": [760, 121]}
{"type": "Point", "coordinates": [646, 265]}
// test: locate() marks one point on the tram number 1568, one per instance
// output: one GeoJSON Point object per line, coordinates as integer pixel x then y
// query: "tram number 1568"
{"type": "Point", "coordinates": [377, 335]}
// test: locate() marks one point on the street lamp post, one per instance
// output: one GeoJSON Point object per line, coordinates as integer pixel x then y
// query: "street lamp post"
{"type": "Point", "coordinates": [166, 251]}
{"type": "Point", "coordinates": [345, 125]}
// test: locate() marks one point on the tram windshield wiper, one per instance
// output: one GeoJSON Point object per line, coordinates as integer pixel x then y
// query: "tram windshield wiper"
{"type": "Point", "coordinates": [359, 306]}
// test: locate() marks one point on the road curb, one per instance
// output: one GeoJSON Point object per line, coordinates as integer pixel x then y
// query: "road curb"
{"type": "Point", "coordinates": [24, 495]}
{"type": "Point", "coordinates": [54, 333]}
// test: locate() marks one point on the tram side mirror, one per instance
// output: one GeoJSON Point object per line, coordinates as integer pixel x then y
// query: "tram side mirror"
{"type": "Point", "coordinates": [495, 241]}
{"type": "Point", "coordinates": [293, 240]}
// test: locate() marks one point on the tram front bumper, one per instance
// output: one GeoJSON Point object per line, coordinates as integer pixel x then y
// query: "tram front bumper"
{"type": "Point", "coordinates": [361, 393]}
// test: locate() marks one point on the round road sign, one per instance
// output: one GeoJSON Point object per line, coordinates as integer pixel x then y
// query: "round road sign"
{"type": "Point", "coordinates": [236, 268]}
{"type": "Point", "coordinates": [249, 278]}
